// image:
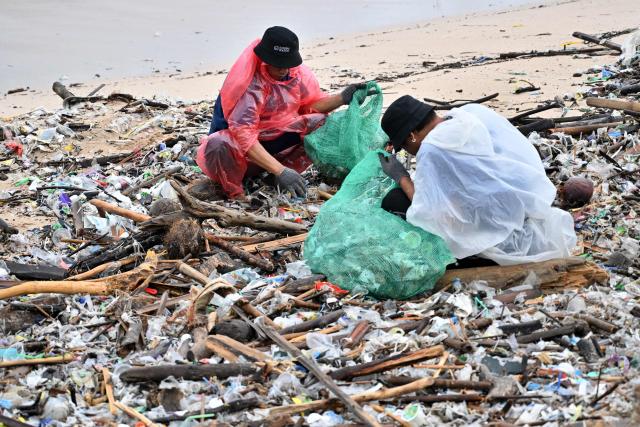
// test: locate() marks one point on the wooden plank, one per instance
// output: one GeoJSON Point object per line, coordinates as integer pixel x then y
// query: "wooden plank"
{"type": "Point", "coordinates": [275, 244]}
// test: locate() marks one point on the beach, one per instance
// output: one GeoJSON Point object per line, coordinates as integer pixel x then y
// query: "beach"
{"type": "Point", "coordinates": [395, 55]}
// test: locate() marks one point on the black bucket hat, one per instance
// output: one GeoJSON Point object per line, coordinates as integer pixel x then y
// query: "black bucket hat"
{"type": "Point", "coordinates": [402, 117]}
{"type": "Point", "coordinates": [279, 47]}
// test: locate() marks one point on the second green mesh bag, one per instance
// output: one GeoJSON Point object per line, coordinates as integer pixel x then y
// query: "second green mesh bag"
{"type": "Point", "coordinates": [363, 248]}
{"type": "Point", "coordinates": [348, 135]}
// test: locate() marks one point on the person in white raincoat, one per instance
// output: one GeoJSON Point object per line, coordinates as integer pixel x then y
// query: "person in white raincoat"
{"type": "Point", "coordinates": [479, 184]}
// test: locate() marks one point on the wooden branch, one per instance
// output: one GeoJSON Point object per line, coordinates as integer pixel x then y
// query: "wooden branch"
{"type": "Point", "coordinates": [66, 358]}
{"type": "Point", "coordinates": [54, 286]}
{"type": "Point", "coordinates": [107, 266]}
{"type": "Point", "coordinates": [149, 182]}
{"type": "Point", "coordinates": [595, 40]}
{"type": "Point", "coordinates": [108, 388]}
{"type": "Point", "coordinates": [320, 322]}
{"type": "Point", "coordinates": [390, 393]}
{"type": "Point", "coordinates": [387, 363]}
{"type": "Point", "coordinates": [312, 366]}
{"type": "Point", "coordinates": [103, 286]}
{"type": "Point", "coordinates": [243, 349]}
{"type": "Point", "coordinates": [566, 273]}
{"type": "Point", "coordinates": [231, 217]}
{"type": "Point", "coordinates": [187, 372]}
{"type": "Point", "coordinates": [117, 210]}
{"type": "Point", "coordinates": [449, 106]}
{"type": "Point", "coordinates": [233, 406]}
{"type": "Point", "coordinates": [135, 414]}
{"type": "Point", "coordinates": [614, 104]}
{"type": "Point", "coordinates": [275, 245]}
{"type": "Point", "coordinates": [221, 351]}
{"type": "Point", "coordinates": [578, 130]}
{"type": "Point", "coordinates": [239, 252]}
{"type": "Point", "coordinates": [441, 383]}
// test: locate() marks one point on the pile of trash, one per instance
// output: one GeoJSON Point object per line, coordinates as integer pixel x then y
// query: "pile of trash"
{"type": "Point", "coordinates": [141, 296]}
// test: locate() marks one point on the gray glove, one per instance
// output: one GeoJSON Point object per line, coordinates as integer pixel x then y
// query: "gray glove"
{"type": "Point", "coordinates": [392, 167]}
{"type": "Point", "coordinates": [347, 93]}
{"type": "Point", "coordinates": [290, 180]}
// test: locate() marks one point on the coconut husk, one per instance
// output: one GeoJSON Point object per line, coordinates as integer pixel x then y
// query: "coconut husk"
{"type": "Point", "coordinates": [163, 207]}
{"type": "Point", "coordinates": [205, 189]}
{"type": "Point", "coordinates": [185, 237]}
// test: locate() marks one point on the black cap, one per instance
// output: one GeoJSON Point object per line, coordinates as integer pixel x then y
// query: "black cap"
{"type": "Point", "coordinates": [279, 47]}
{"type": "Point", "coordinates": [402, 117]}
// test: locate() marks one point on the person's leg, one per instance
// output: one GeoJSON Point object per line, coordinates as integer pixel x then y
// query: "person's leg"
{"type": "Point", "coordinates": [224, 163]}
{"type": "Point", "coordinates": [217, 120]}
{"type": "Point", "coordinates": [278, 148]}
{"type": "Point", "coordinates": [281, 143]}
{"type": "Point", "coordinates": [396, 202]}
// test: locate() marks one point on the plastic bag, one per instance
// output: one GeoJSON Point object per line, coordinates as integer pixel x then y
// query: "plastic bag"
{"type": "Point", "coordinates": [363, 248]}
{"type": "Point", "coordinates": [631, 49]}
{"type": "Point", "coordinates": [480, 185]}
{"type": "Point", "coordinates": [348, 135]}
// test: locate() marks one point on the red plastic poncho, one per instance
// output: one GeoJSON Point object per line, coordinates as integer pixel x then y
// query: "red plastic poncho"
{"type": "Point", "coordinates": [257, 108]}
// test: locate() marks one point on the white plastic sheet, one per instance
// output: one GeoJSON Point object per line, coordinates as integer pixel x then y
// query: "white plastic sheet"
{"type": "Point", "coordinates": [480, 185]}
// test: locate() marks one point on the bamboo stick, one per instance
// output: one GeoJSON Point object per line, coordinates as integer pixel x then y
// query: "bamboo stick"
{"type": "Point", "coordinates": [65, 358]}
{"type": "Point", "coordinates": [108, 388]}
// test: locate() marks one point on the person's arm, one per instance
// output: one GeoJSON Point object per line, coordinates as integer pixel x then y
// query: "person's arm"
{"type": "Point", "coordinates": [328, 104]}
{"type": "Point", "coordinates": [406, 183]}
{"type": "Point", "coordinates": [261, 157]}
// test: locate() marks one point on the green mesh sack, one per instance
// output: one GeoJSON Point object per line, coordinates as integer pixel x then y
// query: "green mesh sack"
{"type": "Point", "coordinates": [363, 248]}
{"type": "Point", "coordinates": [348, 135]}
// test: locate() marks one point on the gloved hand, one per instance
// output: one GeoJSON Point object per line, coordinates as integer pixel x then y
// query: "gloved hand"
{"type": "Point", "coordinates": [347, 93]}
{"type": "Point", "coordinates": [392, 167]}
{"type": "Point", "coordinates": [292, 181]}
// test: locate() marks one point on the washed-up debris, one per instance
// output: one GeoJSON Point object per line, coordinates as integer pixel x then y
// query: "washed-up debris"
{"type": "Point", "coordinates": [135, 294]}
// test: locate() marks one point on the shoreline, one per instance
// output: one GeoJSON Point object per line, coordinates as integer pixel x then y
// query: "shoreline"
{"type": "Point", "coordinates": [201, 83]}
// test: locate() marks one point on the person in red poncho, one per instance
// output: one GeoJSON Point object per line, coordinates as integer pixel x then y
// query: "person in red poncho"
{"type": "Point", "coordinates": [267, 103]}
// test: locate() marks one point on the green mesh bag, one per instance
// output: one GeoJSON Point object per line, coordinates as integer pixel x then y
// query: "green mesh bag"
{"type": "Point", "coordinates": [363, 248]}
{"type": "Point", "coordinates": [348, 135]}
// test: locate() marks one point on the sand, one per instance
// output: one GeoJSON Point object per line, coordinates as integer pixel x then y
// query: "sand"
{"type": "Point", "coordinates": [398, 53]}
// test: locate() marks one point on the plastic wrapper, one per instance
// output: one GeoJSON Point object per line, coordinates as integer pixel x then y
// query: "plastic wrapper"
{"type": "Point", "coordinates": [371, 250]}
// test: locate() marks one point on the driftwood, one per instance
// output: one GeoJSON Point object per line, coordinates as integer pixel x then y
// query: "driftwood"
{"type": "Point", "coordinates": [312, 366]}
{"type": "Point", "coordinates": [390, 393]}
{"type": "Point", "coordinates": [444, 105]}
{"type": "Point", "coordinates": [577, 328]}
{"type": "Point", "coordinates": [553, 274]}
{"type": "Point", "coordinates": [233, 406]}
{"type": "Point", "coordinates": [440, 383]}
{"type": "Point", "coordinates": [596, 40]}
{"type": "Point", "coordinates": [275, 245]}
{"type": "Point", "coordinates": [239, 252]}
{"type": "Point", "coordinates": [35, 272]}
{"type": "Point", "coordinates": [149, 182]}
{"type": "Point", "coordinates": [578, 130]}
{"type": "Point", "coordinates": [231, 217]}
{"type": "Point", "coordinates": [629, 89]}
{"type": "Point", "coordinates": [555, 104]}
{"type": "Point", "coordinates": [104, 286]}
{"type": "Point", "coordinates": [387, 363]}
{"type": "Point", "coordinates": [117, 210]}
{"type": "Point", "coordinates": [614, 104]}
{"type": "Point", "coordinates": [66, 358]}
{"type": "Point", "coordinates": [537, 126]}
{"type": "Point", "coordinates": [320, 322]}
{"type": "Point", "coordinates": [187, 372]}
{"type": "Point", "coordinates": [104, 267]}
